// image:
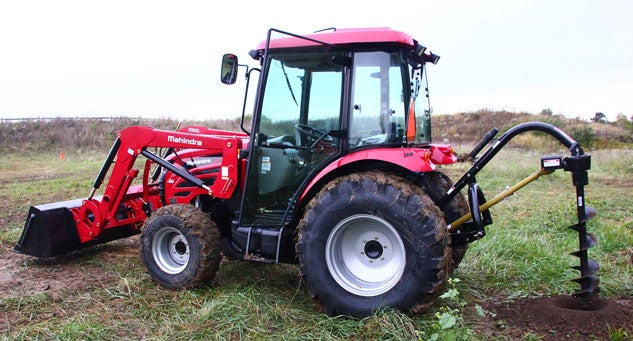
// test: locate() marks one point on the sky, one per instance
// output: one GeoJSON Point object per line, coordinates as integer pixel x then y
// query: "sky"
{"type": "Point", "coordinates": [159, 59]}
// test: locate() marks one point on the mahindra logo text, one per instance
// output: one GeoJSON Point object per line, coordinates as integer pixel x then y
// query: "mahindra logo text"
{"type": "Point", "coordinates": [192, 142]}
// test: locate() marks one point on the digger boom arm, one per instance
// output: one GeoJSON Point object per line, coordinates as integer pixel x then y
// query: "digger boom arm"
{"type": "Point", "coordinates": [479, 164]}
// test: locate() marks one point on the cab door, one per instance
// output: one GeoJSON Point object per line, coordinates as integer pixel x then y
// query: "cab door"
{"type": "Point", "coordinates": [299, 112]}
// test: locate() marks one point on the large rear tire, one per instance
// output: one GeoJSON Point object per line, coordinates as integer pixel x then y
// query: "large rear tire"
{"type": "Point", "coordinates": [180, 246]}
{"type": "Point", "coordinates": [372, 240]}
{"type": "Point", "coordinates": [436, 184]}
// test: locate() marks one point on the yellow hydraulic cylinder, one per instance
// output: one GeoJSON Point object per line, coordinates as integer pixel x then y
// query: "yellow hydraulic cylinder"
{"type": "Point", "coordinates": [499, 197]}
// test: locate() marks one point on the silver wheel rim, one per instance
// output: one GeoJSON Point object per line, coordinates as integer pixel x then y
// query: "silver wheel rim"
{"type": "Point", "coordinates": [365, 255]}
{"type": "Point", "coordinates": [170, 250]}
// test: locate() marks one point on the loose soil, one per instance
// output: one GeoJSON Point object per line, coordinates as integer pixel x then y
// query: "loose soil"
{"type": "Point", "coordinates": [24, 275]}
{"type": "Point", "coordinates": [560, 318]}
{"type": "Point", "coordinates": [548, 318]}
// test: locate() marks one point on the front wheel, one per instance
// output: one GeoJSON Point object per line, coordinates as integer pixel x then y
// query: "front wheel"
{"type": "Point", "coordinates": [180, 246]}
{"type": "Point", "coordinates": [373, 240]}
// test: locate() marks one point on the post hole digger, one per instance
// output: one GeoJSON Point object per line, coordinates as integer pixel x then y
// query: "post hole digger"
{"type": "Point", "coordinates": [337, 172]}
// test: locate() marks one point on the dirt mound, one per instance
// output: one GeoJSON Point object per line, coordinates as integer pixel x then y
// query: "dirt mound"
{"type": "Point", "coordinates": [567, 317]}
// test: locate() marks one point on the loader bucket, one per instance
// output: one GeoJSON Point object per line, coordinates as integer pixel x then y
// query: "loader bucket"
{"type": "Point", "coordinates": [50, 230]}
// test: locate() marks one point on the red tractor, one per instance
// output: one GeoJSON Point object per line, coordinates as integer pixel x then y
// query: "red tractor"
{"type": "Point", "coordinates": [337, 172]}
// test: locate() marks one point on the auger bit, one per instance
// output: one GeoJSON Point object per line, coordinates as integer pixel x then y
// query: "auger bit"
{"type": "Point", "coordinates": [588, 280]}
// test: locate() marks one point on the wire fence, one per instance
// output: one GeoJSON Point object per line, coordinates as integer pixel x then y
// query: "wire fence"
{"type": "Point", "coordinates": [78, 118]}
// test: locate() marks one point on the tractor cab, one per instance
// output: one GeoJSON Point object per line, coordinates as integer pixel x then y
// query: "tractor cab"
{"type": "Point", "coordinates": [322, 98]}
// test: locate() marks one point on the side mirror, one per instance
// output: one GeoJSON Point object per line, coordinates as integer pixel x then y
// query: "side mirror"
{"type": "Point", "coordinates": [228, 73]}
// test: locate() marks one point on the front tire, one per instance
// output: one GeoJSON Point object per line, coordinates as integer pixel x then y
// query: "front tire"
{"type": "Point", "coordinates": [180, 246]}
{"type": "Point", "coordinates": [373, 240]}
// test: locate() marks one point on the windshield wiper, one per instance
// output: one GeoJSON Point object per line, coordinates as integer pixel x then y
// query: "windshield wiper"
{"type": "Point", "coordinates": [288, 82]}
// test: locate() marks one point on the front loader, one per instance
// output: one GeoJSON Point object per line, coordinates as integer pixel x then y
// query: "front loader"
{"type": "Point", "coordinates": [337, 173]}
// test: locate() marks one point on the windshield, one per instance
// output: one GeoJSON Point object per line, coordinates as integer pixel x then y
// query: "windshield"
{"type": "Point", "coordinates": [301, 88]}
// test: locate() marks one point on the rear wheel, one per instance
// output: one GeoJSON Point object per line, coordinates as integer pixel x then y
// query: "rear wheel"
{"type": "Point", "coordinates": [180, 246]}
{"type": "Point", "coordinates": [372, 240]}
{"type": "Point", "coordinates": [436, 184]}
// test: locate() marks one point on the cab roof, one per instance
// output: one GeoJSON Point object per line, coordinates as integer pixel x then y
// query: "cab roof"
{"type": "Point", "coordinates": [343, 37]}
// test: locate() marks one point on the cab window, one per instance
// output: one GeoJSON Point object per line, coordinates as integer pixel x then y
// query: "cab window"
{"type": "Point", "coordinates": [378, 107]}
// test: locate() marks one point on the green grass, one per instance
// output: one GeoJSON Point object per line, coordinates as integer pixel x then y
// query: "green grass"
{"type": "Point", "coordinates": [525, 253]}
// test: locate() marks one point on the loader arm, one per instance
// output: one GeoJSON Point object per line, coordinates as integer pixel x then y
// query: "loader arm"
{"type": "Point", "coordinates": [58, 228]}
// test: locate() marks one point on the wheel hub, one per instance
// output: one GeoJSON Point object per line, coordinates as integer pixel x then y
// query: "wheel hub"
{"type": "Point", "coordinates": [373, 249]}
{"type": "Point", "coordinates": [180, 247]}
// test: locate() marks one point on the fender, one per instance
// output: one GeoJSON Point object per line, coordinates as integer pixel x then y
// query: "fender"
{"type": "Point", "coordinates": [416, 160]}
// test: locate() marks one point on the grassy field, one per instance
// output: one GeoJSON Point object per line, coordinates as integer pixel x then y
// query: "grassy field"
{"type": "Point", "coordinates": [526, 253]}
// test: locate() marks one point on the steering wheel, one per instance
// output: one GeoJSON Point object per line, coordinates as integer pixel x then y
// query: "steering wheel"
{"type": "Point", "coordinates": [307, 136]}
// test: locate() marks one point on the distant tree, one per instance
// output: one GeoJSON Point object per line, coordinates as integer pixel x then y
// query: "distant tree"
{"type": "Point", "coordinates": [600, 117]}
{"type": "Point", "coordinates": [547, 112]}
{"type": "Point", "coordinates": [622, 121]}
